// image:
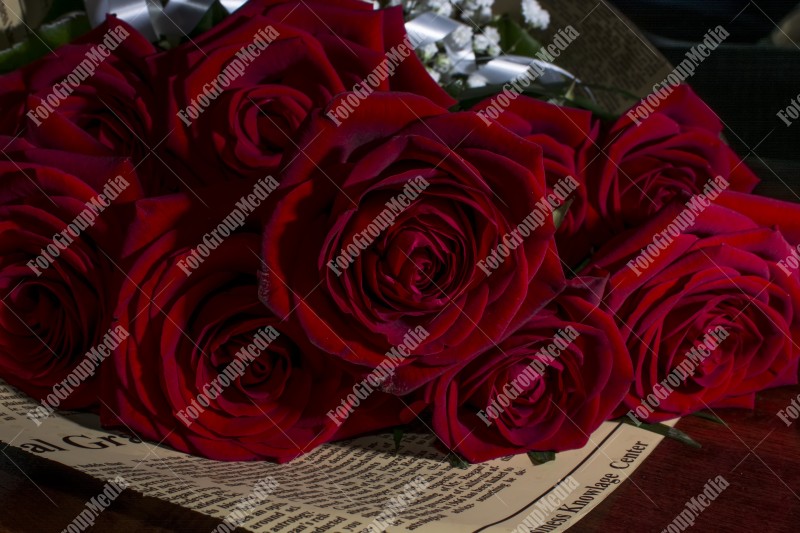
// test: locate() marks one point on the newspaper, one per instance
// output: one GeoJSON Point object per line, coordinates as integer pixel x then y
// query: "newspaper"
{"type": "Point", "coordinates": [613, 53]}
{"type": "Point", "coordinates": [610, 52]}
{"type": "Point", "coordinates": [356, 485]}
{"type": "Point", "coordinates": [18, 18]}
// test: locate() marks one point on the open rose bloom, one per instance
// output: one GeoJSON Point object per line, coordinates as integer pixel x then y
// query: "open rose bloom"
{"type": "Point", "coordinates": [285, 232]}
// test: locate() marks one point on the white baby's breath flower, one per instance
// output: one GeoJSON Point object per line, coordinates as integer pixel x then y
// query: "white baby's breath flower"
{"type": "Point", "coordinates": [427, 52]}
{"type": "Point", "coordinates": [483, 15]}
{"type": "Point", "coordinates": [487, 42]}
{"type": "Point", "coordinates": [461, 37]}
{"type": "Point", "coordinates": [442, 64]}
{"type": "Point", "coordinates": [476, 11]}
{"type": "Point", "coordinates": [474, 5]}
{"type": "Point", "coordinates": [535, 15]}
{"type": "Point", "coordinates": [435, 75]}
{"type": "Point", "coordinates": [440, 7]}
{"type": "Point", "coordinates": [476, 80]}
{"type": "Point", "coordinates": [480, 43]}
{"type": "Point", "coordinates": [492, 33]}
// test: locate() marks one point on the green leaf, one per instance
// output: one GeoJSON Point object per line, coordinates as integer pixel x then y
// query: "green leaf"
{"type": "Point", "coordinates": [456, 461]}
{"type": "Point", "coordinates": [595, 108]}
{"type": "Point", "coordinates": [514, 39]}
{"type": "Point", "coordinates": [666, 431]}
{"type": "Point", "coordinates": [561, 213]}
{"type": "Point", "coordinates": [47, 38]}
{"type": "Point", "coordinates": [470, 97]}
{"type": "Point", "coordinates": [540, 458]}
{"type": "Point", "coordinates": [62, 7]}
{"type": "Point", "coordinates": [20, 55]}
{"type": "Point", "coordinates": [64, 30]}
{"type": "Point", "coordinates": [708, 415]}
{"type": "Point", "coordinates": [583, 264]}
{"type": "Point", "coordinates": [215, 14]}
{"type": "Point", "coordinates": [398, 437]}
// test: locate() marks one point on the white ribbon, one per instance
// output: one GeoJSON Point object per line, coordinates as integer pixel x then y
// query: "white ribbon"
{"type": "Point", "coordinates": [429, 28]}
{"type": "Point", "coordinates": [179, 17]}
{"type": "Point", "coordinates": [152, 18]}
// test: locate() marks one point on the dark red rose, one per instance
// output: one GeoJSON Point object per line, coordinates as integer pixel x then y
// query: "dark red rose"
{"type": "Point", "coordinates": [785, 216]}
{"type": "Point", "coordinates": [316, 49]}
{"type": "Point", "coordinates": [58, 281]}
{"type": "Point", "coordinates": [356, 38]}
{"type": "Point", "coordinates": [708, 315]}
{"type": "Point", "coordinates": [181, 377]}
{"type": "Point", "coordinates": [568, 140]}
{"type": "Point", "coordinates": [399, 224]}
{"type": "Point", "coordinates": [649, 162]}
{"type": "Point", "coordinates": [91, 97]}
{"type": "Point", "coordinates": [546, 387]}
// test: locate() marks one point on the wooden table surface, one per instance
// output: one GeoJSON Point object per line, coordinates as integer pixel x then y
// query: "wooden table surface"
{"type": "Point", "coordinates": [756, 452]}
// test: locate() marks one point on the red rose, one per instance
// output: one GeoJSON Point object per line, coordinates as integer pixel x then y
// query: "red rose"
{"type": "Point", "coordinates": [399, 231]}
{"type": "Point", "coordinates": [356, 39]}
{"type": "Point", "coordinates": [567, 137]}
{"type": "Point", "coordinates": [546, 387]}
{"type": "Point", "coordinates": [58, 281]}
{"type": "Point", "coordinates": [766, 212]}
{"type": "Point", "coordinates": [648, 162]}
{"type": "Point", "coordinates": [91, 97]}
{"type": "Point", "coordinates": [243, 122]}
{"type": "Point", "coordinates": [707, 313]}
{"type": "Point", "coordinates": [207, 368]}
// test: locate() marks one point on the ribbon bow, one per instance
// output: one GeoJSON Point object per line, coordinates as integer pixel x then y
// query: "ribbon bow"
{"type": "Point", "coordinates": [152, 18]}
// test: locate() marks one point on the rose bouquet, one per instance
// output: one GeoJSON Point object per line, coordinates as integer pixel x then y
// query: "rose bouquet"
{"type": "Point", "coordinates": [283, 231]}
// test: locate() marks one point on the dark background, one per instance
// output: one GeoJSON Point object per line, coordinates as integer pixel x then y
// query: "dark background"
{"type": "Point", "coordinates": [753, 450]}
{"type": "Point", "coordinates": [747, 80]}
